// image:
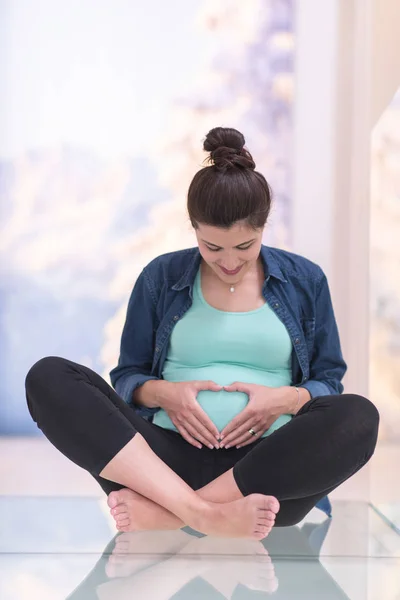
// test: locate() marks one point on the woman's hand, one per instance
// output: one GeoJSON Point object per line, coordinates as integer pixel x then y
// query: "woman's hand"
{"type": "Point", "coordinates": [189, 418]}
{"type": "Point", "coordinates": [264, 407]}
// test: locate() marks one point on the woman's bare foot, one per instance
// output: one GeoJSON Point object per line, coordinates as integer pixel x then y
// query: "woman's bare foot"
{"type": "Point", "coordinates": [250, 517]}
{"type": "Point", "coordinates": [133, 512]}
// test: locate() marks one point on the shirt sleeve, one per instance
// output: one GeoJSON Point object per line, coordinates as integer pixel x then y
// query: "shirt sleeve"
{"type": "Point", "coordinates": [137, 345]}
{"type": "Point", "coordinates": [327, 366]}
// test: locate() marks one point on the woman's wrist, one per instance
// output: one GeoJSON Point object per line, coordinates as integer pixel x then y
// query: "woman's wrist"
{"type": "Point", "coordinates": [153, 393]}
{"type": "Point", "coordinates": [299, 396]}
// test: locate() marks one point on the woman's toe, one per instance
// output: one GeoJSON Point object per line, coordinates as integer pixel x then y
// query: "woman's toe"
{"type": "Point", "coordinates": [123, 522]}
{"type": "Point", "coordinates": [121, 508]}
{"type": "Point", "coordinates": [265, 522]}
{"type": "Point", "coordinates": [270, 515]}
{"type": "Point", "coordinates": [122, 517]}
{"type": "Point", "coordinates": [113, 499]}
{"type": "Point", "coordinates": [273, 504]}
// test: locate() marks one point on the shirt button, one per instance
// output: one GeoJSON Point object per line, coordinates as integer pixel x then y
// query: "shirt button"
{"type": "Point", "coordinates": [157, 349]}
{"type": "Point", "coordinates": [297, 341]}
{"type": "Point", "coordinates": [176, 317]}
{"type": "Point", "coordinates": [276, 305]}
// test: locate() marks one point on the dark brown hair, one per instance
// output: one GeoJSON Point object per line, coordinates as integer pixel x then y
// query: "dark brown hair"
{"type": "Point", "coordinates": [229, 189]}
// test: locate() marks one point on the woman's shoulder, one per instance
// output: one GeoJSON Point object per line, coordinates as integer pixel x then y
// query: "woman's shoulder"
{"type": "Point", "coordinates": [292, 264]}
{"type": "Point", "coordinates": [172, 264]}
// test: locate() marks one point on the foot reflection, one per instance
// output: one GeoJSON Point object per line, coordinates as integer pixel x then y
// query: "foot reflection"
{"type": "Point", "coordinates": [137, 550]}
{"type": "Point", "coordinates": [161, 565]}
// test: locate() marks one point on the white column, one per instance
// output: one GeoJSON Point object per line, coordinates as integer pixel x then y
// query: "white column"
{"type": "Point", "coordinates": [331, 163]}
{"type": "Point", "coordinates": [331, 183]}
{"type": "Point", "coordinates": [314, 130]}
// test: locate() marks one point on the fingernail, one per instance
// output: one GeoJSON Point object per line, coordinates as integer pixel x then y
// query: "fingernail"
{"type": "Point", "coordinates": [211, 446]}
{"type": "Point", "coordinates": [221, 445]}
{"type": "Point", "coordinates": [216, 447]}
{"type": "Point", "coordinates": [227, 446]}
{"type": "Point", "coordinates": [221, 437]}
{"type": "Point", "coordinates": [238, 446]}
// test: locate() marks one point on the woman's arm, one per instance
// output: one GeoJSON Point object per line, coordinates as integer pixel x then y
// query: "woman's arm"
{"type": "Point", "coordinates": [137, 347]}
{"type": "Point", "coordinates": [327, 366]}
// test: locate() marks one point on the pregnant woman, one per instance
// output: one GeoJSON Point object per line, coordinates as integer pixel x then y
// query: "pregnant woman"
{"type": "Point", "coordinates": [227, 413]}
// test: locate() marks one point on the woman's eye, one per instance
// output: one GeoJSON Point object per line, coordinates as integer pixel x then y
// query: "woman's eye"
{"type": "Point", "coordinates": [218, 249]}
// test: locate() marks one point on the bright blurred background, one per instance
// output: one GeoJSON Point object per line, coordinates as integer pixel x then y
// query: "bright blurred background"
{"type": "Point", "coordinates": [104, 107]}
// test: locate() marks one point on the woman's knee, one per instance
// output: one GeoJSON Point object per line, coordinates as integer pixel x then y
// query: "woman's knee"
{"type": "Point", "coordinates": [360, 418]}
{"type": "Point", "coordinates": [42, 371]}
{"type": "Point", "coordinates": [361, 410]}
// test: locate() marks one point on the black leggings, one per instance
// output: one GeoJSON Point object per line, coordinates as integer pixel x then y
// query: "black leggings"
{"type": "Point", "coordinates": [328, 441]}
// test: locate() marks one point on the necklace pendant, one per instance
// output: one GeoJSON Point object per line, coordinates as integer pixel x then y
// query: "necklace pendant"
{"type": "Point", "coordinates": [232, 289]}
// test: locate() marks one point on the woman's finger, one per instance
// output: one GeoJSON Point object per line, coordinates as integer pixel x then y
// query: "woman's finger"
{"type": "Point", "coordinates": [253, 439]}
{"type": "Point", "coordinates": [201, 430]}
{"type": "Point", "coordinates": [193, 427]}
{"type": "Point", "coordinates": [185, 434]}
{"type": "Point", "coordinates": [206, 422]}
{"type": "Point", "coordinates": [246, 437]}
{"type": "Point", "coordinates": [232, 437]}
{"type": "Point", "coordinates": [240, 420]}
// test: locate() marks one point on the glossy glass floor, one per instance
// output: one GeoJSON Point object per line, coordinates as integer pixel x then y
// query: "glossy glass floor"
{"type": "Point", "coordinates": [59, 548]}
{"type": "Point", "coordinates": [390, 512]}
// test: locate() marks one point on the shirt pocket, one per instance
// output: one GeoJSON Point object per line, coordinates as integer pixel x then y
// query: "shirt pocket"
{"type": "Point", "coordinates": [308, 327]}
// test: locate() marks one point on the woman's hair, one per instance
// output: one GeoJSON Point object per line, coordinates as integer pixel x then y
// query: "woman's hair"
{"type": "Point", "coordinates": [229, 189]}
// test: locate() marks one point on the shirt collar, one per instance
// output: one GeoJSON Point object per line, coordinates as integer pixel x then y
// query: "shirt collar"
{"type": "Point", "coordinates": [271, 265]}
{"type": "Point", "coordinates": [271, 269]}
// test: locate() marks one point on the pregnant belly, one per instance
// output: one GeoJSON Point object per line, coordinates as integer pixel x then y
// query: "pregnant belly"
{"type": "Point", "coordinates": [223, 406]}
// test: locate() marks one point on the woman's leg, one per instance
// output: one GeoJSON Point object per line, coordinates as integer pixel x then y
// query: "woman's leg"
{"type": "Point", "coordinates": [93, 429]}
{"type": "Point", "coordinates": [328, 441]}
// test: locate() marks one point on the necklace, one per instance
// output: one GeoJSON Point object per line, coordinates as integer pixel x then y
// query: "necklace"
{"type": "Point", "coordinates": [232, 289]}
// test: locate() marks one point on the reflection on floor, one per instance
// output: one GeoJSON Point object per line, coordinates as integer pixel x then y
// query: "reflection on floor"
{"type": "Point", "coordinates": [390, 512]}
{"type": "Point", "coordinates": [58, 548]}
{"type": "Point", "coordinates": [57, 541]}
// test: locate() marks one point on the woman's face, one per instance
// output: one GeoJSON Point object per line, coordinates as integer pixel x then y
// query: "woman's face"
{"type": "Point", "coordinates": [230, 253]}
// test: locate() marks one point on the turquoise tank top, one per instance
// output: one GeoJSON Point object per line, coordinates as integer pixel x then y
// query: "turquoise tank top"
{"type": "Point", "coordinates": [224, 347]}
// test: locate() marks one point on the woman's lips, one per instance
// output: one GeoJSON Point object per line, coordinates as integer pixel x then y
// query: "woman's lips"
{"type": "Point", "coordinates": [230, 272]}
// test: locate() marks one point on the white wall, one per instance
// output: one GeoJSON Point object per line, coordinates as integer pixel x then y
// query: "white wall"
{"type": "Point", "coordinates": [347, 70]}
{"type": "Point", "coordinates": [331, 162]}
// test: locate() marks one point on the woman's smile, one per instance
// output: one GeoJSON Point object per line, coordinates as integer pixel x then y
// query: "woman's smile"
{"type": "Point", "coordinates": [235, 272]}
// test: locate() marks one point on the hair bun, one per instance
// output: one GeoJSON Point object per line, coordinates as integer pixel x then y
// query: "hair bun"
{"type": "Point", "coordinates": [226, 148]}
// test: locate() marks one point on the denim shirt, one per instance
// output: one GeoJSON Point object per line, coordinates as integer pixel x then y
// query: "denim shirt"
{"type": "Point", "coordinates": [294, 287]}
